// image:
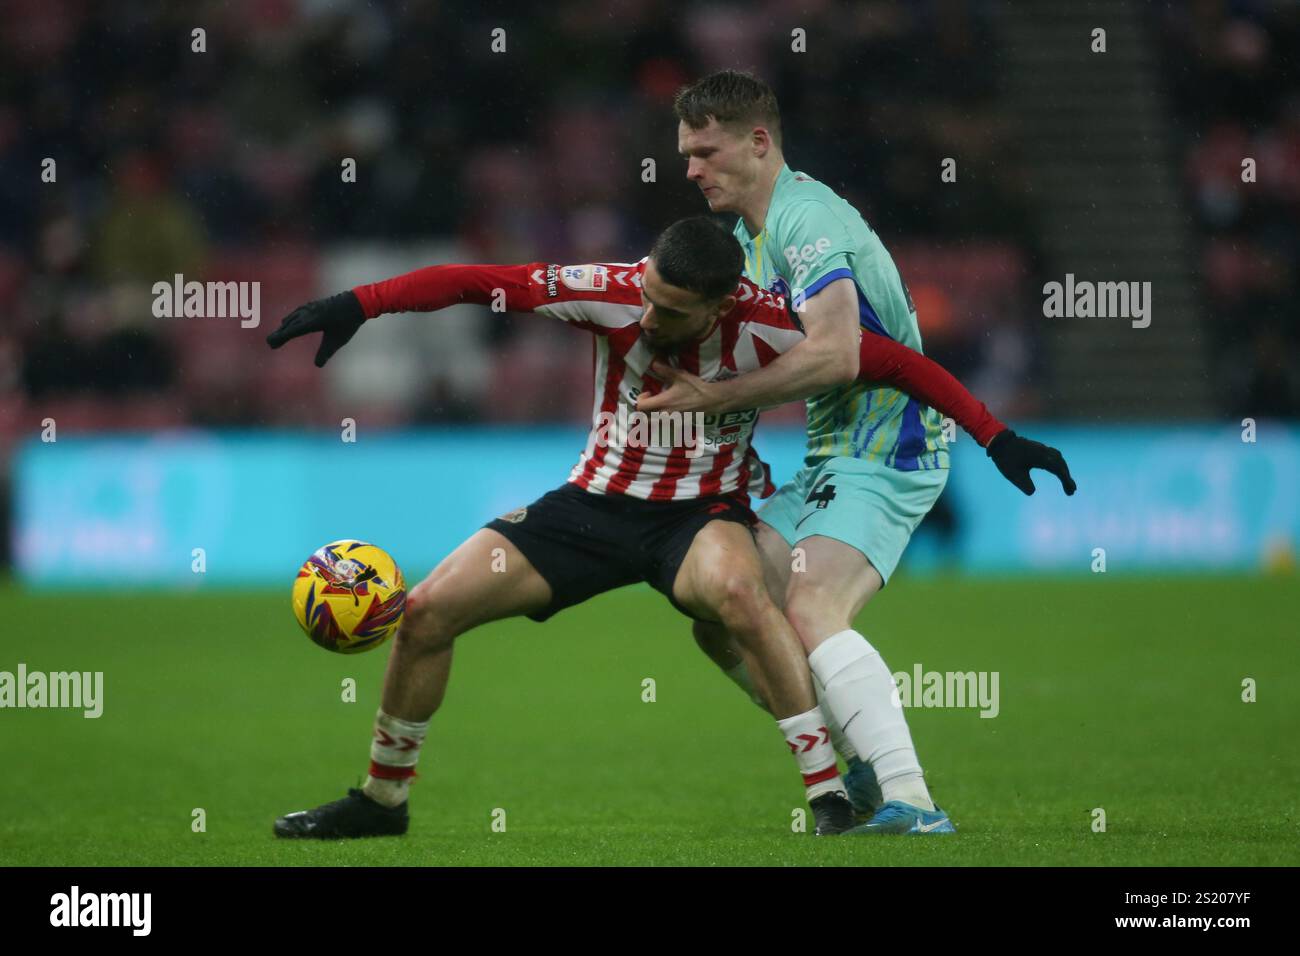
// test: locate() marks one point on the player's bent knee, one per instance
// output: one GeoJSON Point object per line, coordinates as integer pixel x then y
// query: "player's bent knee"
{"type": "Point", "coordinates": [813, 612]}
{"type": "Point", "coordinates": [429, 620]}
{"type": "Point", "coordinates": [741, 602]}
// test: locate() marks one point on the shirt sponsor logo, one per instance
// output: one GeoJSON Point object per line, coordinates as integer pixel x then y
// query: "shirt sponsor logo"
{"type": "Point", "coordinates": [802, 258]}
{"type": "Point", "coordinates": [745, 416]}
{"type": "Point", "coordinates": [728, 428]}
{"type": "Point", "coordinates": [552, 271]}
{"type": "Point", "coordinates": [587, 278]}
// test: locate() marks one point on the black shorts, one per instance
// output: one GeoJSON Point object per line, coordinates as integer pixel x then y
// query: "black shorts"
{"type": "Point", "coordinates": [585, 544]}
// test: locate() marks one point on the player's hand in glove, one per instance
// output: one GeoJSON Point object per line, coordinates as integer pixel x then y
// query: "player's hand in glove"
{"type": "Point", "coordinates": [338, 317]}
{"type": "Point", "coordinates": [1014, 456]}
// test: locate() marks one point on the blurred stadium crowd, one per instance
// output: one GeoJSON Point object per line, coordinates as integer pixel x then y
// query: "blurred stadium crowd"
{"type": "Point", "coordinates": [226, 165]}
{"type": "Point", "coordinates": [1234, 80]}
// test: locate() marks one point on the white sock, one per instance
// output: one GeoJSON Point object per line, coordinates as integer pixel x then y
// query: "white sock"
{"type": "Point", "coordinates": [740, 676]}
{"type": "Point", "coordinates": [810, 741]}
{"type": "Point", "coordinates": [861, 690]}
{"type": "Point", "coordinates": [394, 753]}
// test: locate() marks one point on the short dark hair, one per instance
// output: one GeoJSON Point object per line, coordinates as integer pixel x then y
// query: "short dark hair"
{"type": "Point", "coordinates": [731, 98]}
{"type": "Point", "coordinates": [700, 256]}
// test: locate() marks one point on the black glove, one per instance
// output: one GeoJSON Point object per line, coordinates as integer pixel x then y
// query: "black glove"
{"type": "Point", "coordinates": [1014, 456]}
{"type": "Point", "coordinates": [338, 317]}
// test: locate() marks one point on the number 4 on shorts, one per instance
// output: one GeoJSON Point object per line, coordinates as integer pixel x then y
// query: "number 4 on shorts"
{"type": "Point", "coordinates": [822, 493]}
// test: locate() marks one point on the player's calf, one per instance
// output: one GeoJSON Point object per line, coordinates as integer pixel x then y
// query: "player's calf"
{"type": "Point", "coordinates": [721, 579]}
{"type": "Point", "coordinates": [718, 646]}
{"type": "Point", "coordinates": [781, 675]}
{"type": "Point", "coordinates": [418, 668]}
{"type": "Point", "coordinates": [859, 778]}
{"type": "Point", "coordinates": [464, 591]}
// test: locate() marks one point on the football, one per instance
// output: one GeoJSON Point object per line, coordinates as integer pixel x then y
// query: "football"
{"type": "Point", "coordinates": [349, 596]}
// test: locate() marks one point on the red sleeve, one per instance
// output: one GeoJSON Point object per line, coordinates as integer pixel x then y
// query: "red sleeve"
{"type": "Point", "coordinates": [436, 287]}
{"type": "Point", "coordinates": [884, 360]}
{"type": "Point", "coordinates": [603, 298]}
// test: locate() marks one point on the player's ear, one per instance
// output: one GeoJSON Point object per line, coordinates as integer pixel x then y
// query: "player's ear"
{"type": "Point", "coordinates": [726, 305]}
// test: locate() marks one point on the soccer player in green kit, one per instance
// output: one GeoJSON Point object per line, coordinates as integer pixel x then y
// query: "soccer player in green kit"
{"type": "Point", "coordinates": [876, 460]}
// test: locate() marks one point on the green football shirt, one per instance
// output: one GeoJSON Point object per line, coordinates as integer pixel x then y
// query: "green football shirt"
{"type": "Point", "coordinates": [811, 238]}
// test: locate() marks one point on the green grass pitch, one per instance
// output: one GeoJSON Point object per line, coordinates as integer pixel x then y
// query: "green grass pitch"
{"type": "Point", "coordinates": [1123, 694]}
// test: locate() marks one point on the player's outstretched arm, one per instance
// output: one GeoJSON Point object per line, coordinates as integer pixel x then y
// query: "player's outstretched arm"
{"type": "Point", "coordinates": [519, 288]}
{"type": "Point", "coordinates": [884, 360]}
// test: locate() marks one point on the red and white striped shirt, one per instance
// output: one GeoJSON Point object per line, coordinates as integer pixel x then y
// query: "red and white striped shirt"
{"type": "Point", "coordinates": [605, 299]}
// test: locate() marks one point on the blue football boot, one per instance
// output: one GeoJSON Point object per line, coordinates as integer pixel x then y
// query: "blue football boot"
{"type": "Point", "coordinates": [864, 791]}
{"type": "Point", "coordinates": [899, 817]}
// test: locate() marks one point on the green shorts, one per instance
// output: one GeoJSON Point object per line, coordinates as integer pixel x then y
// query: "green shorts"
{"type": "Point", "coordinates": [863, 503]}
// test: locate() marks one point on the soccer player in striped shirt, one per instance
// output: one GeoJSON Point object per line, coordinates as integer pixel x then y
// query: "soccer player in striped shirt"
{"type": "Point", "coordinates": [876, 459]}
{"type": "Point", "coordinates": [670, 512]}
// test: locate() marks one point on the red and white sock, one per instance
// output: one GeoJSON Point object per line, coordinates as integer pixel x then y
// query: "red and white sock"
{"type": "Point", "coordinates": [394, 753]}
{"type": "Point", "coordinates": [809, 739]}
{"type": "Point", "coordinates": [740, 677]}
